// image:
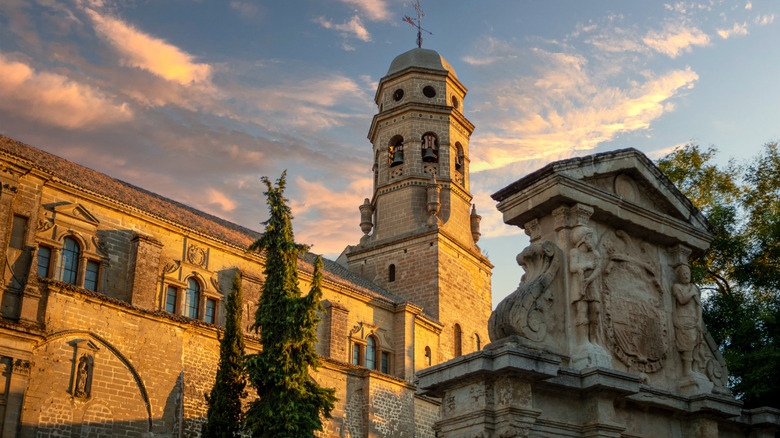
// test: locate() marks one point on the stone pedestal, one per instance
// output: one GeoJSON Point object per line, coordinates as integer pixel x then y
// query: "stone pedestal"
{"type": "Point", "coordinates": [514, 392]}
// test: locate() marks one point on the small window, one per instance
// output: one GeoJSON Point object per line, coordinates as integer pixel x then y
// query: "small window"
{"type": "Point", "coordinates": [478, 342]}
{"type": "Point", "coordinates": [18, 229]}
{"type": "Point", "coordinates": [428, 360]}
{"type": "Point", "coordinates": [192, 299]}
{"type": "Point", "coordinates": [69, 267]}
{"type": "Point", "coordinates": [385, 362]}
{"type": "Point", "coordinates": [170, 299]}
{"type": "Point", "coordinates": [429, 92]}
{"type": "Point", "coordinates": [44, 261]}
{"type": "Point", "coordinates": [398, 95]}
{"type": "Point", "coordinates": [391, 274]}
{"type": "Point", "coordinates": [457, 337]}
{"type": "Point", "coordinates": [211, 311]}
{"type": "Point", "coordinates": [355, 354]}
{"type": "Point", "coordinates": [455, 103]}
{"type": "Point", "coordinates": [371, 353]}
{"type": "Point", "coordinates": [91, 275]}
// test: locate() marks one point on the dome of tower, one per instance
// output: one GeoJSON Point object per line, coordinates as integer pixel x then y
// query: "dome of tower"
{"type": "Point", "coordinates": [420, 58]}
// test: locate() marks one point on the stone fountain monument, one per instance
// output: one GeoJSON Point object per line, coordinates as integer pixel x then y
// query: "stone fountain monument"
{"type": "Point", "coordinates": [604, 335]}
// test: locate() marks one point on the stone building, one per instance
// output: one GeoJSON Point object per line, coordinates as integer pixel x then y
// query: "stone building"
{"type": "Point", "coordinates": [112, 296]}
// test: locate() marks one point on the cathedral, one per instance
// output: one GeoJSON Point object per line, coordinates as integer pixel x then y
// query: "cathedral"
{"type": "Point", "coordinates": [113, 296]}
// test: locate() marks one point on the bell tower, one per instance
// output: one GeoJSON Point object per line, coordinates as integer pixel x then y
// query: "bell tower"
{"type": "Point", "coordinates": [421, 230]}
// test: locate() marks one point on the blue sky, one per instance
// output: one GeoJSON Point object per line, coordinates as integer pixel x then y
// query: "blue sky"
{"type": "Point", "coordinates": [196, 100]}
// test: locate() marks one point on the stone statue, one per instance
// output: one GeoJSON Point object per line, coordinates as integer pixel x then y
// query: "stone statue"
{"type": "Point", "coordinates": [82, 378]}
{"type": "Point", "coordinates": [687, 317]}
{"type": "Point", "coordinates": [585, 267]}
{"type": "Point", "coordinates": [523, 312]}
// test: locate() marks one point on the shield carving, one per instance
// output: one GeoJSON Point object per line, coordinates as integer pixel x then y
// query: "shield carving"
{"type": "Point", "coordinates": [635, 323]}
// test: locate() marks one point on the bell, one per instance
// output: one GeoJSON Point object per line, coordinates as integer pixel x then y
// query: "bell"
{"type": "Point", "coordinates": [428, 156]}
{"type": "Point", "coordinates": [398, 158]}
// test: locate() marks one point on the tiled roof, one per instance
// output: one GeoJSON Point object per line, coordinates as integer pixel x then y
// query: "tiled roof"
{"type": "Point", "coordinates": [170, 210]}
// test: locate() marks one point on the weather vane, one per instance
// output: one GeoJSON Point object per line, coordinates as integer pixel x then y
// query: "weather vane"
{"type": "Point", "coordinates": [418, 23]}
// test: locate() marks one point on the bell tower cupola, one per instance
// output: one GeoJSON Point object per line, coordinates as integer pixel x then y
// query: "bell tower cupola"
{"type": "Point", "coordinates": [420, 228]}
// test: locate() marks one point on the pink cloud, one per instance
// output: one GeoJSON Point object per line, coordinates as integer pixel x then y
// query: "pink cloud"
{"type": "Point", "coordinates": [149, 53]}
{"type": "Point", "coordinates": [55, 99]}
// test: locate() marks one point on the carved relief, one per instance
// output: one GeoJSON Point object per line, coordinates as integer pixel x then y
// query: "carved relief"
{"type": "Point", "coordinates": [215, 284]}
{"type": "Point", "coordinates": [636, 324]}
{"type": "Point", "coordinates": [44, 224]}
{"type": "Point", "coordinates": [100, 245]}
{"type": "Point", "coordinates": [523, 312]}
{"type": "Point", "coordinates": [585, 286]}
{"type": "Point", "coordinates": [170, 266]}
{"type": "Point", "coordinates": [22, 367]}
{"type": "Point", "coordinates": [196, 255]}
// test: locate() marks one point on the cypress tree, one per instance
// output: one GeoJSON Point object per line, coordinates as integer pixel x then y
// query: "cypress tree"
{"type": "Point", "coordinates": [290, 403]}
{"type": "Point", "coordinates": [224, 415]}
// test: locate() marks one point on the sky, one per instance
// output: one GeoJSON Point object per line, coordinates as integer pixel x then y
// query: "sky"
{"type": "Point", "coordinates": [197, 99]}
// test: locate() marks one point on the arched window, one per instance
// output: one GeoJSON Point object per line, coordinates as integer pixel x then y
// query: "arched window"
{"type": "Point", "coordinates": [428, 360]}
{"type": "Point", "coordinates": [430, 148]}
{"type": "Point", "coordinates": [69, 267]}
{"type": "Point", "coordinates": [457, 338]}
{"type": "Point", "coordinates": [395, 151]}
{"type": "Point", "coordinates": [192, 298]}
{"type": "Point", "coordinates": [460, 158]}
{"type": "Point", "coordinates": [371, 353]}
{"type": "Point", "coordinates": [391, 273]}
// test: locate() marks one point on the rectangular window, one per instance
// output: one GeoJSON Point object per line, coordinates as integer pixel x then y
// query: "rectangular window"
{"type": "Point", "coordinates": [385, 362]}
{"type": "Point", "coordinates": [18, 229]}
{"type": "Point", "coordinates": [191, 304]}
{"type": "Point", "coordinates": [211, 311]}
{"type": "Point", "coordinates": [355, 354]}
{"type": "Point", "coordinates": [91, 275]}
{"type": "Point", "coordinates": [44, 261]}
{"type": "Point", "coordinates": [170, 299]}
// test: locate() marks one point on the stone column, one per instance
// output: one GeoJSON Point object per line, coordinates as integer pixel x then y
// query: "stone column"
{"type": "Point", "coordinates": [144, 267]}
{"type": "Point", "coordinates": [20, 375]}
{"type": "Point", "coordinates": [336, 330]}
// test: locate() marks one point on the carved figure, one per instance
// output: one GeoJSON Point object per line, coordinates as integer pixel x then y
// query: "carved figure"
{"type": "Point", "coordinates": [82, 377]}
{"type": "Point", "coordinates": [687, 317]}
{"type": "Point", "coordinates": [523, 312]}
{"type": "Point", "coordinates": [585, 267]}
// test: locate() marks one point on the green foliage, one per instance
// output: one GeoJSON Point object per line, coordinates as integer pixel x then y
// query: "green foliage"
{"type": "Point", "coordinates": [742, 268]}
{"type": "Point", "coordinates": [290, 403]}
{"type": "Point", "coordinates": [224, 415]}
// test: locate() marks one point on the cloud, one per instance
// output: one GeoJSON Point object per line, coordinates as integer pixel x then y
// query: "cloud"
{"type": "Point", "coordinates": [245, 9]}
{"type": "Point", "coordinates": [352, 28]}
{"type": "Point", "coordinates": [375, 10]}
{"type": "Point", "coordinates": [763, 20]}
{"type": "Point", "coordinates": [675, 39]}
{"type": "Point", "coordinates": [323, 213]}
{"type": "Point", "coordinates": [737, 29]}
{"type": "Point", "coordinates": [491, 50]}
{"type": "Point", "coordinates": [220, 199]}
{"type": "Point", "coordinates": [149, 53]}
{"type": "Point", "coordinates": [749, 6]}
{"type": "Point", "coordinates": [565, 107]}
{"type": "Point", "coordinates": [55, 99]}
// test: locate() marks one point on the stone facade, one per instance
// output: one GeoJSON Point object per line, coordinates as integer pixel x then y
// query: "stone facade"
{"type": "Point", "coordinates": [604, 335]}
{"type": "Point", "coordinates": [113, 297]}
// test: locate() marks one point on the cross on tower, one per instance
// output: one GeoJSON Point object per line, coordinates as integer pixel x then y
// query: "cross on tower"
{"type": "Point", "coordinates": [417, 23]}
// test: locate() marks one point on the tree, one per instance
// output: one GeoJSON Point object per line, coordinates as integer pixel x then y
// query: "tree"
{"type": "Point", "coordinates": [741, 270]}
{"type": "Point", "coordinates": [290, 403]}
{"type": "Point", "coordinates": [224, 415]}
